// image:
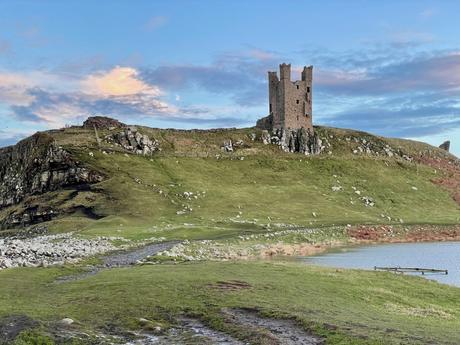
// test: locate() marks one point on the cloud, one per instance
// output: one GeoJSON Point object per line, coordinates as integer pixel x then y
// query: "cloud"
{"type": "Point", "coordinates": [118, 82]}
{"type": "Point", "coordinates": [11, 137]}
{"type": "Point", "coordinates": [370, 90]}
{"type": "Point", "coordinates": [241, 77]}
{"type": "Point", "coordinates": [422, 73]}
{"type": "Point", "coordinates": [410, 38]}
{"type": "Point", "coordinates": [155, 22]}
{"type": "Point", "coordinates": [56, 99]}
{"type": "Point", "coordinates": [406, 120]}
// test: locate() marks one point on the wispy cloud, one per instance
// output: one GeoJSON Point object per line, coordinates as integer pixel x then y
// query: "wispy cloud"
{"type": "Point", "coordinates": [372, 90]}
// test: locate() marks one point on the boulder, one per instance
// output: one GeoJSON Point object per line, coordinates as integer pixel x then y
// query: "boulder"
{"type": "Point", "coordinates": [227, 146]}
{"type": "Point", "coordinates": [66, 321]}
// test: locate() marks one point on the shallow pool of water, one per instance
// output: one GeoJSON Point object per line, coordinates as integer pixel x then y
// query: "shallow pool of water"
{"type": "Point", "coordinates": [438, 255]}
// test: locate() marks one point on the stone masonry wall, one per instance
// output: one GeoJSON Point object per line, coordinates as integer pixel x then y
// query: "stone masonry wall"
{"type": "Point", "coordinates": [290, 103]}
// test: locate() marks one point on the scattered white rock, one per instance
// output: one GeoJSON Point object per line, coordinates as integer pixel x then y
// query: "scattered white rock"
{"type": "Point", "coordinates": [45, 250]}
{"type": "Point", "coordinates": [67, 321]}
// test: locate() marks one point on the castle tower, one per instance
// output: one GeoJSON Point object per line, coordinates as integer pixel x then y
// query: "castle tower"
{"type": "Point", "coordinates": [290, 102]}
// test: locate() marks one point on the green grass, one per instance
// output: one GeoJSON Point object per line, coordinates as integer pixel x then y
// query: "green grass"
{"type": "Point", "coordinates": [290, 189]}
{"type": "Point", "coordinates": [374, 307]}
{"type": "Point", "coordinates": [142, 196]}
{"type": "Point", "coordinates": [255, 190]}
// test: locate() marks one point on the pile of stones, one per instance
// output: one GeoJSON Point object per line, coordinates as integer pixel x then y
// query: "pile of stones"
{"type": "Point", "coordinates": [47, 250]}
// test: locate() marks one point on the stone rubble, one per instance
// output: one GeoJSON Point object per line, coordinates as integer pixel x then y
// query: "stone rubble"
{"type": "Point", "coordinates": [48, 250]}
{"type": "Point", "coordinates": [133, 141]}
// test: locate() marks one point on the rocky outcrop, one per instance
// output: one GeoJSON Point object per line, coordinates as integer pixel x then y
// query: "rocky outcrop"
{"type": "Point", "coordinates": [445, 146]}
{"type": "Point", "coordinates": [294, 140]}
{"type": "Point", "coordinates": [132, 140]}
{"type": "Point", "coordinates": [37, 165]}
{"type": "Point", "coordinates": [102, 122]}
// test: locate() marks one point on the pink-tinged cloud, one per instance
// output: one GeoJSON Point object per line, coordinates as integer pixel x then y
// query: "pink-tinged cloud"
{"type": "Point", "coordinates": [119, 81]}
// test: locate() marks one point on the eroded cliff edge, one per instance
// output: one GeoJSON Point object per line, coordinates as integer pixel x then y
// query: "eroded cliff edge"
{"type": "Point", "coordinates": [38, 165]}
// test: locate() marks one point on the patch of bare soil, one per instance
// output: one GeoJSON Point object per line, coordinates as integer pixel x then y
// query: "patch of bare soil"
{"type": "Point", "coordinates": [389, 233]}
{"type": "Point", "coordinates": [230, 285]}
{"type": "Point", "coordinates": [188, 332]}
{"type": "Point", "coordinates": [271, 331]}
{"type": "Point", "coordinates": [300, 249]}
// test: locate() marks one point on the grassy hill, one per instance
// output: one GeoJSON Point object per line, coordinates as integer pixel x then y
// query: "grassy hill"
{"type": "Point", "coordinates": [358, 179]}
{"type": "Point", "coordinates": [254, 199]}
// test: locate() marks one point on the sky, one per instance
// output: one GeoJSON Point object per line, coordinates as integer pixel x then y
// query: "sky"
{"type": "Point", "coordinates": [391, 68]}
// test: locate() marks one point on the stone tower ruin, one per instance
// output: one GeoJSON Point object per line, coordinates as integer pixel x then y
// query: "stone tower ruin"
{"type": "Point", "coordinates": [290, 102]}
{"type": "Point", "coordinates": [290, 120]}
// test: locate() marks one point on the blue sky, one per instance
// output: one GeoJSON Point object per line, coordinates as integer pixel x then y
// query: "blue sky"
{"type": "Point", "coordinates": [390, 68]}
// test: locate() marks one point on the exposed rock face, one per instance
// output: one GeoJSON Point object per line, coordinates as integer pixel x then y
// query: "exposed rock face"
{"type": "Point", "coordinates": [102, 122]}
{"type": "Point", "coordinates": [37, 165]}
{"type": "Point", "coordinates": [131, 140]}
{"type": "Point", "coordinates": [445, 145]}
{"type": "Point", "coordinates": [296, 140]}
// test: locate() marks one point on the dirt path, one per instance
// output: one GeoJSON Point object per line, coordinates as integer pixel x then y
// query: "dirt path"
{"type": "Point", "coordinates": [121, 259]}
{"type": "Point", "coordinates": [279, 331]}
{"type": "Point", "coordinates": [131, 257]}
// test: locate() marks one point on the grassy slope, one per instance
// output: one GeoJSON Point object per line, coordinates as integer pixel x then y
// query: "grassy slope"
{"type": "Point", "coordinates": [142, 196]}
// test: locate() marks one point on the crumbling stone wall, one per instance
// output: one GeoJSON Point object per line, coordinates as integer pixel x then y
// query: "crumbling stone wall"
{"type": "Point", "coordinates": [38, 165]}
{"type": "Point", "coordinates": [445, 146]}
